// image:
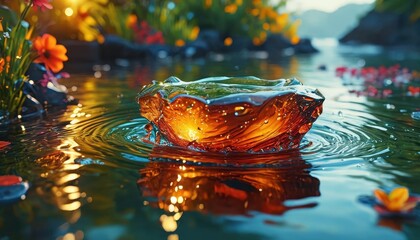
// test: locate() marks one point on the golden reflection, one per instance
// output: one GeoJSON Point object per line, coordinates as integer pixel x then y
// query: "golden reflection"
{"type": "Point", "coordinates": [61, 187]}
{"type": "Point", "coordinates": [225, 190]}
{"type": "Point", "coordinates": [168, 223]}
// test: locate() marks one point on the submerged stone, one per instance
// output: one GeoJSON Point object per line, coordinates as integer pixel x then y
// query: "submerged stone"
{"type": "Point", "coordinates": [223, 114]}
{"type": "Point", "coordinates": [12, 188]}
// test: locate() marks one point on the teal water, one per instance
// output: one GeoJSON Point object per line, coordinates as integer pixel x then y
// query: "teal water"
{"type": "Point", "coordinates": [100, 181]}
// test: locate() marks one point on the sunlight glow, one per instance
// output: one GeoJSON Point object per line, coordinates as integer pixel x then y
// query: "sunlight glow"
{"type": "Point", "coordinates": [327, 6]}
{"type": "Point", "coordinates": [69, 12]}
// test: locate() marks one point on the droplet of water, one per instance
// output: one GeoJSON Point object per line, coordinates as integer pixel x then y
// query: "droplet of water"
{"type": "Point", "coordinates": [240, 110]}
{"type": "Point", "coordinates": [340, 113]}
{"type": "Point", "coordinates": [390, 106]}
{"type": "Point", "coordinates": [415, 115]}
{"type": "Point", "coordinates": [266, 121]}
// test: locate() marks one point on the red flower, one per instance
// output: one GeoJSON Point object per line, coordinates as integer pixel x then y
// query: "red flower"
{"type": "Point", "coordinates": [42, 4]}
{"type": "Point", "coordinates": [50, 53]}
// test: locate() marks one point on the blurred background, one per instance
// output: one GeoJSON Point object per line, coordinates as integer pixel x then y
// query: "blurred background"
{"type": "Point", "coordinates": [158, 28]}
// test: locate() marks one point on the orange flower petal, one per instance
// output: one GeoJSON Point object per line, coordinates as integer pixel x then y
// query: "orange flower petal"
{"type": "Point", "coordinates": [59, 52]}
{"type": "Point", "coordinates": [381, 196]}
{"type": "Point", "coordinates": [49, 41]}
{"type": "Point", "coordinates": [408, 206]}
{"type": "Point", "coordinates": [53, 64]}
{"type": "Point", "coordinates": [399, 195]}
{"type": "Point", "coordinates": [38, 43]}
{"type": "Point", "coordinates": [394, 206]}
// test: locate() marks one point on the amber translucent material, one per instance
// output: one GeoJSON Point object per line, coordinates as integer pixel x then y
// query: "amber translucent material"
{"type": "Point", "coordinates": [231, 114]}
{"type": "Point", "coordinates": [220, 190]}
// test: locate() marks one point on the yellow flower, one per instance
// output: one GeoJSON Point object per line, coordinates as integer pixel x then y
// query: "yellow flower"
{"type": "Point", "coordinates": [100, 39]}
{"type": "Point", "coordinates": [255, 12]}
{"type": "Point", "coordinates": [295, 39]}
{"type": "Point", "coordinates": [396, 200]}
{"type": "Point", "coordinates": [228, 41]}
{"type": "Point", "coordinates": [194, 33]}
{"type": "Point", "coordinates": [179, 43]}
{"type": "Point", "coordinates": [131, 20]}
{"type": "Point", "coordinates": [257, 41]}
{"type": "Point", "coordinates": [207, 3]}
{"type": "Point", "coordinates": [1, 25]}
{"type": "Point", "coordinates": [231, 8]}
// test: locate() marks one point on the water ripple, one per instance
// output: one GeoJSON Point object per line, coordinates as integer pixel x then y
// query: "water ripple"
{"type": "Point", "coordinates": [337, 138]}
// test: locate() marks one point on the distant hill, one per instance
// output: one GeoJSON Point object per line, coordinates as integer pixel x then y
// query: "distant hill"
{"type": "Point", "coordinates": [319, 24]}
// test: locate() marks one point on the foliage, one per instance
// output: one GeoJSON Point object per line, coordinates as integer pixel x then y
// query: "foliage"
{"type": "Point", "coordinates": [181, 20]}
{"type": "Point", "coordinates": [15, 58]}
{"type": "Point", "coordinates": [411, 7]}
{"type": "Point", "coordinates": [16, 55]}
{"type": "Point", "coordinates": [121, 20]}
{"type": "Point", "coordinates": [178, 21]}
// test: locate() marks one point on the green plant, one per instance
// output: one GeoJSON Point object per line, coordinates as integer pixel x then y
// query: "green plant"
{"type": "Point", "coordinates": [411, 7]}
{"type": "Point", "coordinates": [15, 58]}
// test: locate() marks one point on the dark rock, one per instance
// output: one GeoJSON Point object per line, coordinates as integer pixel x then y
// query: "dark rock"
{"type": "Point", "coordinates": [157, 50]}
{"type": "Point", "coordinates": [56, 95]}
{"type": "Point", "coordinates": [195, 49]}
{"type": "Point", "coordinates": [276, 44]}
{"type": "Point", "coordinates": [117, 47]}
{"type": "Point", "coordinates": [40, 95]}
{"type": "Point", "coordinates": [305, 46]}
{"type": "Point", "coordinates": [322, 67]}
{"type": "Point", "coordinates": [80, 51]}
{"type": "Point", "coordinates": [385, 29]}
{"type": "Point", "coordinates": [212, 38]}
{"type": "Point", "coordinates": [239, 43]}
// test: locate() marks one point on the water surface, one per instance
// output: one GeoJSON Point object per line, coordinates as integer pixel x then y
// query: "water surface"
{"type": "Point", "coordinates": [92, 177]}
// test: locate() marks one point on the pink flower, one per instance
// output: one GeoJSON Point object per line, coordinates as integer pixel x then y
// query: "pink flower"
{"type": "Point", "coordinates": [42, 4]}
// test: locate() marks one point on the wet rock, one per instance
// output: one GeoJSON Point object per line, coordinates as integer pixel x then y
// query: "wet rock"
{"type": "Point", "coordinates": [81, 51]}
{"type": "Point", "coordinates": [212, 39]}
{"type": "Point", "coordinates": [385, 29]}
{"type": "Point", "coordinates": [117, 47]}
{"type": "Point", "coordinates": [238, 44]}
{"type": "Point", "coordinates": [198, 48]}
{"type": "Point", "coordinates": [158, 51]}
{"type": "Point", "coordinates": [415, 115]}
{"type": "Point", "coordinates": [305, 46]}
{"type": "Point", "coordinates": [276, 44]}
{"type": "Point", "coordinates": [12, 188]}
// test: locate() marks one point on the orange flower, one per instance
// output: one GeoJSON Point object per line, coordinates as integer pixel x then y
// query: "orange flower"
{"type": "Point", "coordinates": [1, 64]}
{"type": "Point", "coordinates": [228, 41]}
{"type": "Point", "coordinates": [231, 8]}
{"type": "Point", "coordinates": [396, 200]}
{"type": "Point", "coordinates": [131, 21]}
{"type": "Point", "coordinates": [179, 43]}
{"type": "Point", "coordinates": [50, 53]}
{"type": "Point", "coordinates": [207, 3]}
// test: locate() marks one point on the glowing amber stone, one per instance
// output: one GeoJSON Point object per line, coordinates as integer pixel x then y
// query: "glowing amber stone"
{"type": "Point", "coordinates": [245, 114]}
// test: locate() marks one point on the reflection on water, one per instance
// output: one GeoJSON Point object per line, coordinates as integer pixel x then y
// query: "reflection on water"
{"type": "Point", "coordinates": [177, 188]}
